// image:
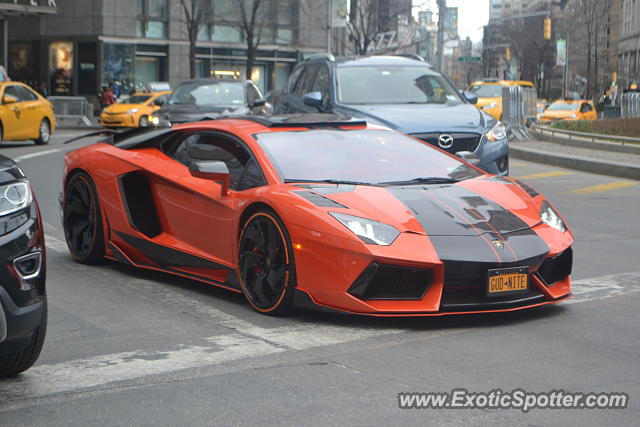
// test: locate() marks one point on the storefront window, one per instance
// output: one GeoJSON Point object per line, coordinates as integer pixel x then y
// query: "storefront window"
{"type": "Point", "coordinates": [117, 66]}
{"type": "Point", "coordinates": [148, 69]}
{"type": "Point", "coordinates": [61, 68]}
{"type": "Point", "coordinates": [22, 63]}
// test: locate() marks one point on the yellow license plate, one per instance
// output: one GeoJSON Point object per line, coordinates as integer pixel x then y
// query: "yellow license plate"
{"type": "Point", "coordinates": [504, 281]}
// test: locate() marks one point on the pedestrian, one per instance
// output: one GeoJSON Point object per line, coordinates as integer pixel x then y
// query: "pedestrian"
{"type": "Point", "coordinates": [108, 97]}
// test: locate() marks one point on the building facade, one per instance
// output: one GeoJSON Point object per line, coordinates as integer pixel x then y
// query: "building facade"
{"type": "Point", "coordinates": [129, 43]}
{"type": "Point", "coordinates": [629, 44]}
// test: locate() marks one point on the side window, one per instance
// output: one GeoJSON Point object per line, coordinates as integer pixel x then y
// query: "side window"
{"type": "Point", "coordinates": [321, 84]}
{"type": "Point", "coordinates": [26, 94]}
{"type": "Point", "coordinates": [12, 91]}
{"type": "Point", "coordinates": [243, 171]}
{"type": "Point", "coordinates": [252, 94]}
{"type": "Point", "coordinates": [293, 78]}
{"type": "Point", "coordinates": [304, 83]}
{"type": "Point", "coordinates": [585, 108]}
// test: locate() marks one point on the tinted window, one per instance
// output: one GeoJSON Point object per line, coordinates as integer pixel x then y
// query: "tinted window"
{"type": "Point", "coordinates": [26, 94]}
{"type": "Point", "coordinates": [304, 83]}
{"type": "Point", "coordinates": [586, 108]}
{"type": "Point", "coordinates": [487, 91]}
{"type": "Point", "coordinates": [393, 85]}
{"type": "Point", "coordinates": [370, 156]}
{"type": "Point", "coordinates": [321, 83]}
{"type": "Point", "coordinates": [13, 91]}
{"type": "Point", "coordinates": [243, 171]}
{"type": "Point", "coordinates": [137, 99]}
{"type": "Point", "coordinates": [293, 79]}
{"type": "Point", "coordinates": [219, 93]}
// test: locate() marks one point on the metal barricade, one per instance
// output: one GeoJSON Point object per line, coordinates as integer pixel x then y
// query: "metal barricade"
{"type": "Point", "coordinates": [72, 110]}
{"type": "Point", "coordinates": [518, 109]}
{"type": "Point", "coordinates": [630, 105]}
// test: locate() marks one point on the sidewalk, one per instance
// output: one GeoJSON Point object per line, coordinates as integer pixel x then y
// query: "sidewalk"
{"type": "Point", "coordinates": [593, 158]}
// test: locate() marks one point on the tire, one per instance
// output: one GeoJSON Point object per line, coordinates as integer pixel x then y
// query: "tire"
{"type": "Point", "coordinates": [82, 220]}
{"type": "Point", "coordinates": [13, 363]}
{"type": "Point", "coordinates": [266, 264]}
{"type": "Point", "coordinates": [45, 132]}
{"type": "Point", "coordinates": [143, 122]}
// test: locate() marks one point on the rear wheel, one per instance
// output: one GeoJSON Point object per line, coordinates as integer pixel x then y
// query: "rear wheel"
{"type": "Point", "coordinates": [13, 363]}
{"type": "Point", "coordinates": [45, 132]}
{"type": "Point", "coordinates": [267, 268]}
{"type": "Point", "coordinates": [82, 220]}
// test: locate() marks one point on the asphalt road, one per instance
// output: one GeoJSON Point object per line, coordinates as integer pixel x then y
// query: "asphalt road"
{"type": "Point", "coordinates": [129, 347]}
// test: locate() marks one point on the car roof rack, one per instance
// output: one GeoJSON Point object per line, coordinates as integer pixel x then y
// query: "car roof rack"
{"type": "Point", "coordinates": [313, 120]}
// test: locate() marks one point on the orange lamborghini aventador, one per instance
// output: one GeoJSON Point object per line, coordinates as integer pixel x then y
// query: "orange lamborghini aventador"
{"type": "Point", "coordinates": [316, 210]}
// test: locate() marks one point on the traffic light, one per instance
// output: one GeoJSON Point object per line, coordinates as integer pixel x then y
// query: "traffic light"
{"type": "Point", "coordinates": [547, 29]}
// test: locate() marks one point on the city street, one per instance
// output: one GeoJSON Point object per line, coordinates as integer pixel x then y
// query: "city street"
{"type": "Point", "coordinates": [132, 347]}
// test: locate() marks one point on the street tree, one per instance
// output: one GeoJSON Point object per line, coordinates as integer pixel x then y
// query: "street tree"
{"type": "Point", "coordinates": [197, 13]}
{"type": "Point", "coordinates": [367, 23]}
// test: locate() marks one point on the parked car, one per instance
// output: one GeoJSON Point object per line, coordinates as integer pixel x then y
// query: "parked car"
{"type": "Point", "coordinates": [316, 210]}
{"type": "Point", "coordinates": [402, 93]}
{"type": "Point", "coordinates": [207, 99]}
{"type": "Point", "coordinates": [25, 114]}
{"type": "Point", "coordinates": [563, 110]}
{"type": "Point", "coordinates": [489, 93]}
{"type": "Point", "coordinates": [134, 111]}
{"type": "Point", "coordinates": [23, 299]}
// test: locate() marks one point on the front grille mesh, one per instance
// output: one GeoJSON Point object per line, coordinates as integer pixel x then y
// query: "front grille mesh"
{"type": "Point", "coordinates": [461, 141]}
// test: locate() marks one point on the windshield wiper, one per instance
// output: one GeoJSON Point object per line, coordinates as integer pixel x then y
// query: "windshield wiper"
{"type": "Point", "coordinates": [423, 180]}
{"type": "Point", "coordinates": [326, 181]}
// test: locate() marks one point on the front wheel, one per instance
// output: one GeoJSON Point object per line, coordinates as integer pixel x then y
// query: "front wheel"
{"type": "Point", "coordinates": [144, 122]}
{"type": "Point", "coordinates": [45, 133]}
{"type": "Point", "coordinates": [267, 268]}
{"type": "Point", "coordinates": [13, 363]}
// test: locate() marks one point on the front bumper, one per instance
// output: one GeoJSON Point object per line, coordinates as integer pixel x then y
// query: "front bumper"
{"type": "Point", "coordinates": [494, 156]}
{"type": "Point", "coordinates": [330, 273]}
{"type": "Point", "coordinates": [117, 120]}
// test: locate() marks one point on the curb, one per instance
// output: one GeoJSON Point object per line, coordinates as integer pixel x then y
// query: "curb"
{"type": "Point", "coordinates": [585, 164]}
{"type": "Point", "coordinates": [594, 145]}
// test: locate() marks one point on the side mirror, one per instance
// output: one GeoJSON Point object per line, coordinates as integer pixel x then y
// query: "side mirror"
{"type": "Point", "coordinates": [313, 99]}
{"type": "Point", "coordinates": [213, 170]}
{"type": "Point", "coordinates": [470, 96]}
{"type": "Point", "coordinates": [468, 157]}
{"type": "Point", "coordinates": [258, 103]}
{"type": "Point", "coordinates": [8, 99]}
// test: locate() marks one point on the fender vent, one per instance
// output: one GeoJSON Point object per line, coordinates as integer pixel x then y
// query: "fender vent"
{"type": "Point", "coordinates": [138, 203]}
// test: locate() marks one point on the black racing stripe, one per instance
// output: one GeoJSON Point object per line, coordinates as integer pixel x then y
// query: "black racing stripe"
{"type": "Point", "coordinates": [169, 257]}
{"type": "Point", "coordinates": [319, 199]}
{"type": "Point", "coordinates": [452, 237]}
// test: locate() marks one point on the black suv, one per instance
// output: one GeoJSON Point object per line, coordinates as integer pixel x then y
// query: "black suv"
{"type": "Point", "coordinates": [23, 303]}
{"type": "Point", "coordinates": [402, 93]}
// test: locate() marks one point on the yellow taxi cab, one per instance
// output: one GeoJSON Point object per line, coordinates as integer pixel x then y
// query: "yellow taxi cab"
{"type": "Point", "coordinates": [24, 114]}
{"type": "Point", "coordinates": [541, 105]}
{"type": "Point", "coordinates": [133, 111]}
{"type": "Point", "coordinates": [580, 109]}
{"type": "Point", "coordinates": [490, 94]}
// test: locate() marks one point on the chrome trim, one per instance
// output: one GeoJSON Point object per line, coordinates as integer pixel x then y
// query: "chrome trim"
{"type": "Point", "coordinates": [38, 256]}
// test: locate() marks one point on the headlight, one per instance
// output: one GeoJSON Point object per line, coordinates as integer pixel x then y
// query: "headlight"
{"type": "Point", "coordinates": [372, 232]}
{"type": "Point", "coordinates": [490, 106]}
{"type": "Point", "coordinates": [14, 196]}
{"type": "Point", "coordinates": [133, 110]}
{"type": "Point", "coordinates": [573, 116]}
{"type": "Point", "coordinates": [551, 218]}
{"type": "Point", "coordinates": [159, 121]}
{"type": "Point", "coordinates": [499, 131]}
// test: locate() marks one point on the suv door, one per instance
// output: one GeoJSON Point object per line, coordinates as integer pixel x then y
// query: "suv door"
{"type": "Point", "coordinates": [13, 123]}
{"type": "Point", "coordinates": [282, 99]}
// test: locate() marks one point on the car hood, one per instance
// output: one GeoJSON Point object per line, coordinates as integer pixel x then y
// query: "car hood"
{"type": "Point", "coordinates": [560, 114]}
{"type": "Point", "coordinates": [122, 108]}
{"type": "Point", "coordinates": [417, 118]}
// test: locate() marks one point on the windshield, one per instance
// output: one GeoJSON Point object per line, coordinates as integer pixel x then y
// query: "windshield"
{"type": "Point", "coordinates": [358, 156]}
{"type": "Point", "coordinates": [136, 99]}
{"type": "Point", "coordinates": [393, 85]}
{"type": "Point", "coordinates": [563, 106]}
{"type": "Point", "coordinates": [219, 93]}
{"type": "Point", "coordinates": [487, 91]}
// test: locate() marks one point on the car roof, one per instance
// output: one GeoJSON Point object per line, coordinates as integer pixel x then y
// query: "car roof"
{"type": "Point", "coordinates": [212, 81]}
{"type": "Point", "coordinates": [378, 60]}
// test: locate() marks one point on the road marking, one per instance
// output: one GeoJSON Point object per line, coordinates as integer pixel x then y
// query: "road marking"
{"type": "Point", "coordinates": [518, 164]}
{"type": "Point", "coordinates": [38, 154]}
{"type": "Point", "coordinates": [55, 244]}
{"type": "Point", "coordinates": [602, 287]}
{"type": "Point", "coordinates": [244, 340]}
{"type": "Point", "coordinates": [543, 175]}
{"type": "Point", "coordinates": [603, 187]}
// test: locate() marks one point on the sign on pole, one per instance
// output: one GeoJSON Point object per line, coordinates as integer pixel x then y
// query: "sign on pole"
{"type": "Point", "coordinates": [561, 52]}
{"type": "Point", "coordinates": [469, 59]}
{"type": "Point", "coordinates": [339, 13]}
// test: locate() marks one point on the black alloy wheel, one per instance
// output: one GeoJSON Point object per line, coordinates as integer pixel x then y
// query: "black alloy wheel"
{"type": "Point", "coordinates": [267, 269]}
{"type": "Point", "coordinates": [82, 220]}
